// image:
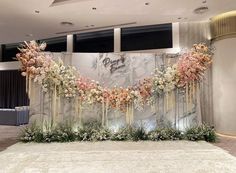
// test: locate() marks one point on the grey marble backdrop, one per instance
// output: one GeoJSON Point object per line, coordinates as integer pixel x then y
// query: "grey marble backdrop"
{"type": "Point", "coordinates": [121, 70]}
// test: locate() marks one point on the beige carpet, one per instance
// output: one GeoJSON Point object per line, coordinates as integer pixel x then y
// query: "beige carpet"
{"type": "Point", "coordinates": [117, 157]}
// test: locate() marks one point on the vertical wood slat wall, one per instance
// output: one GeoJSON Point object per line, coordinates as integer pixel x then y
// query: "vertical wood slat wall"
{"type": "Point", "coordinates": [223, 26]}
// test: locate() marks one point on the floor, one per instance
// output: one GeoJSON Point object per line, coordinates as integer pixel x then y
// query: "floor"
{"type": "Point", "coordinates": [116, 157]}
{"type": "Point", "coordinates": [9, 134]}
{"type": "Point", "coordinates": [227, 143]}
{"type": "Point", "coordinates": [107, 156]}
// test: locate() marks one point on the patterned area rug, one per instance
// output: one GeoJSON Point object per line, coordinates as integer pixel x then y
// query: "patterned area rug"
{"type": "Point", "coordinates": [117, 157]}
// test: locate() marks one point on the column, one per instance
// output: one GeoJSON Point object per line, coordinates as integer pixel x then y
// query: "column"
{"type": "Point", "coordinates": [117, 40]}
{"type": "Point", "coordinates": [223, 29]}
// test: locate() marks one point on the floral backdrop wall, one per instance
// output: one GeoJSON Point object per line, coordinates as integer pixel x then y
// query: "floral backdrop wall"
{"type": "Point", "coordinates": [123, 88]}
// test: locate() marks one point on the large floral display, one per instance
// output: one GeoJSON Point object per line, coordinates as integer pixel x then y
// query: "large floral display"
{"type": "Point", "coordinates": [64, 81]}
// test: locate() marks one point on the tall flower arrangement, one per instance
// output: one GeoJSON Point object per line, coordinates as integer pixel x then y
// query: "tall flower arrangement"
{"type": "Point", "coordinates": [191, 67]}
{"type": "Point", "coordinates": [53, 76]}
{"type": "Point", "coordinates": [60, 81]}
{"type": "Point", "coordinates": [165, 81]}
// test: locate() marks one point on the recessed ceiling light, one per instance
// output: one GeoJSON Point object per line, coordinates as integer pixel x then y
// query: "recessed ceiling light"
{"type": "Point", "coordinates": [147, 3]}
{"type": "Point", "coordinates": [29, 35]}
{"type": "Point", "coordinates": [37, 11]}
{"type": "Point", "coordinates": [67, 23]}
{"type": "Point", "coordinates": [201, 10]}
{"type": "Point", "coordinates": [94, 8]}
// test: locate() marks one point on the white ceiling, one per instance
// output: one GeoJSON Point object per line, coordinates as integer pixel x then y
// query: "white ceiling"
{"type": "Point", "coordinates": [18, 17]}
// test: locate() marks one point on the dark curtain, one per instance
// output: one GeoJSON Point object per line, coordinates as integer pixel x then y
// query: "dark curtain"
{"type": "Point", "coordinates": [12, 89]}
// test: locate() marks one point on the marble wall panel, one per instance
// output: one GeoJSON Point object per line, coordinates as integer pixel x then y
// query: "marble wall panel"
{"type": "Point", "coordinates": [121, 70]}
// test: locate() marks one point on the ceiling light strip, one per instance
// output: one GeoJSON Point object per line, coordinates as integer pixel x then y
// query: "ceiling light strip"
{"type": "Point", "coordinates": [65, 2]}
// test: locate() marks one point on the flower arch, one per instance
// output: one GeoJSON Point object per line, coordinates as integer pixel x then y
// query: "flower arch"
{"type": "Point", "coordinates": [66, 81]}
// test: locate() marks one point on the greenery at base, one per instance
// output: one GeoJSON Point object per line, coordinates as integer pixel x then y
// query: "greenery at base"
{"type": "Point", "coordinates": [165, 134]}
{"type": "Point", "coordinates": [32, 133]}
{"type": "Point", "coordinates": [202, 132]}
{"type": "Point", "coordinates": [94, 131]}
{"type": "Point", "coordinates": [130, 133]}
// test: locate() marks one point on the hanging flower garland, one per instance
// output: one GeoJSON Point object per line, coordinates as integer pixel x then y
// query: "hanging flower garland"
{"type": "Point", "coordinates": [62, 78]}
{"type": "Point", "coordinates": [34, 63]}
{"type": "Point", "coordinates": [65, 81]}
{"type": "Point", "coordinates": [192, 65]}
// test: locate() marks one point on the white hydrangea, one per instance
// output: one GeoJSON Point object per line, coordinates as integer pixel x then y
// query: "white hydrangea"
{"type": "Point", "coordinates": [166, 80]}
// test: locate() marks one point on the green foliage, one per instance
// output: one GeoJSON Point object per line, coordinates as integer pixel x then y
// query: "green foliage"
{"type": "Point", "coordinates": [123, 134]}
{"type": "Point", "coordinates": [165, 134]}
{"type": "Point", "coordinates": [31, 133]}
{"type": "Point", "coordinates": [139, 134]}
{"type": "Point", "coordinates": [47, 137]}
{"type": "Point", "coordinates": [203, 132]}
{"type": "Point", "coordinates": [130, 133]}
{"type": "Point", "coordinates": [94, 131]}
{"type": "Point", "coordinates": [62, 133]}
